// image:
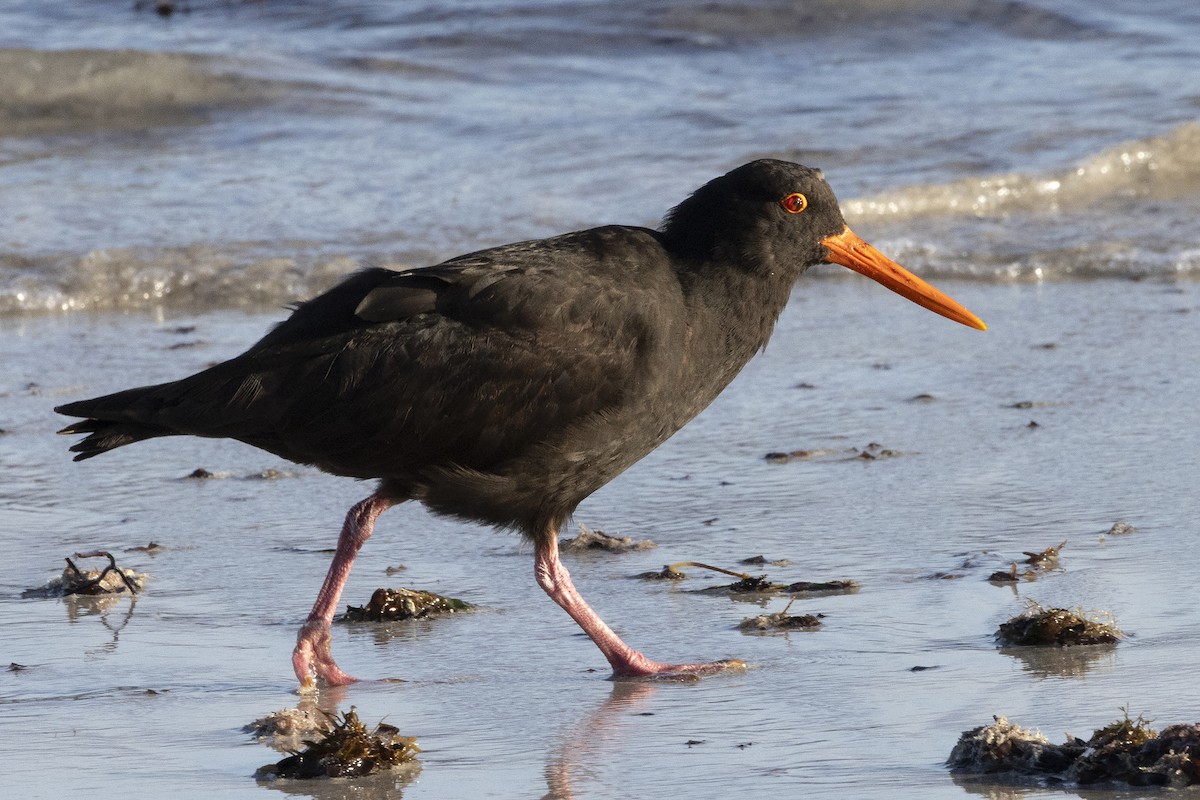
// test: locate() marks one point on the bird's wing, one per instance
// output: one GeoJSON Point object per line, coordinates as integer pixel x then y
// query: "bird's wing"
{"type": "Point", "coordinates": [465, 363]}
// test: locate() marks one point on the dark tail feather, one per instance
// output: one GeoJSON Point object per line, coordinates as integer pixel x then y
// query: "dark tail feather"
{"type": "Point", "coordinates": [107, 436]}
{"type": "Point", "coordinates": [107, 424]}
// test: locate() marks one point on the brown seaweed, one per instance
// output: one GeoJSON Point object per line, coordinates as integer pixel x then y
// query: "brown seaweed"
{"type": "Point", "coordinates": [781, 621]}
{"type": "Point", "coordinates": [1126, 751]}
{"type": "Point", "coordinates": [1046, 557]}
{"type": "Point", "coordinates": [284, 729]}
{"type": "Point", "coordinates": [75, 581]}
{"type": "Point", "coordinates": [871, 452]}
{"type": "Point", "coordinates": [387, 605]}
{"type": "Point", "coordinates": [667, 573]}
{"type": "Point", "coordinates": [822, 587]}
{"type": "Point", "coordinates": [1043, 627]}
{"type": "Point", "coordinates": [1012, 575]}
{"type": "Point", "coordinates": [1039, 562]}
{"type": "Point", "coordinates": [347, 750]}
{"type": "Point", "coordinates": [761, 560]}
{"type": "Point", "coordinates": [589, 539]}
{"type": "Point", "coordinates": [750, 584]}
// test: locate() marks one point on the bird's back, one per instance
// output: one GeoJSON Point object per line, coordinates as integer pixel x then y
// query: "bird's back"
{"type": "Point", "coordinates": [526, 361]}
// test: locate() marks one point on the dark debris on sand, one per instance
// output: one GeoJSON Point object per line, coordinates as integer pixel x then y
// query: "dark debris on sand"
{"type": "Point", "coordinates": [1044, 558]}
{"type": "Point", "coordinates": [1127, 751]}
{"type": "Point", "coordinates": [287, 728]}
{"type": "Point", "coordinates": [781, 621]}
{"type": "Point", "coordinates": [822, 587]}
{"type": "Point", "coordinates": [760, 584]}
{"type": "Point", "coordinates": [751, 584]}
{"type": "Point", "coordinates": [267, 474]}
{"type": "Point", "coordinates": [75, 581]}
{"type": "Point", "coordinates": [747, 584]}
{"type": "Point", "coordinates": [1039, 563]}
{"type": "Point", "coordinates": [347, 750]}
{"type": "Point", "coordinates": [667, 573]}
{"type": "Point", "coordinates": [589, 539]}
{"type": "Point", "coordinates": [874, 450]}
{"type": "Point", "coordinates": [1055, 626]}
{"type": "Point", "coordinates": [777, 457]}
{"type": "Point", "coordinates": [387, 605]}
{"type": "Point", "coordinates": [871, 452]}
{"type": "Point", "coordinates": [761, 560]}
{"type": "Point", "coordinates": [1012, 575]}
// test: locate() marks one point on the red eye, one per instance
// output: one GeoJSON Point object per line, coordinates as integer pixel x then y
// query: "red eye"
{"type": "Point", "coordinates": [794, 203]}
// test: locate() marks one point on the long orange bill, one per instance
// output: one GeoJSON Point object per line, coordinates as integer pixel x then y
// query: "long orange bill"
{"type": "Point", "coordinates": [847, 249]}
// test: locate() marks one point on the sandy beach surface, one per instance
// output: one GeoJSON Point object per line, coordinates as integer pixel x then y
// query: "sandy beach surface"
{"type": "Point", "coordinates": [1076, 410]}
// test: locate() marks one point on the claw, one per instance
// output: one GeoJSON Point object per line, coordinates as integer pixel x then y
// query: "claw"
{"type": "Point", "coordinates": [654, 670]}
{"type": "Point", "coordinates": [312, 660]}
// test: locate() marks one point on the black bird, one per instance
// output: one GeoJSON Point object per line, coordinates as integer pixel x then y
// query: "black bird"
{"type": "Point", "coordinates": [507, 385]}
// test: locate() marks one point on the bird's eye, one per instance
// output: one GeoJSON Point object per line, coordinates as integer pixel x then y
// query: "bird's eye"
{"type": "Point", "coordinates": [794, 203]}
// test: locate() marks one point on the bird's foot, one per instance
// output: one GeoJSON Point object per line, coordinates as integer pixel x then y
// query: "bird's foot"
{"type": "Point", "coordinates": [645, 668]}
{"type": "Point", "coordinates": [313, 660]}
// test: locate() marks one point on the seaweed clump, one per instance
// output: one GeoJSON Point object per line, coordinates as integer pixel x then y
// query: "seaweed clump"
{"type": "Point", "coordinates": [1045, 558]}
{"type": "Point", "coordinates": [1040, 562]}
{"type": "Point", "coordinates": [75, 581]}
{"type": "Point", "coordinates": [822, 587]}
{"type": "Point", "coordinates": [1003, 747]}
{"type": "Point", "coordinates": [747, 585]}
{"type": "Point", "coordinates": [589, 539]}
{"type": "Point", "coordinates": [1126, 751]}
{"type": "Point", "coordinates": [1055, 626]}
{"type": "Point", "coordinates": [759, 584]}
{"type": "Point", "coordinates": [760, 560]}
{"type": "Point", "coordinates": [285, 729]}
{"type": "Point", "coordinates": [347, 750]}
{"type": "Point", "coordinates": [873, 451]}
{"type": "Point", "coordinates": [387, 605]}
{"type": "Point", "coordinates": [668, 573]}
{"type": "Point", "coordinates": [781, 621]}
{"type": "Point", "coordinates": [751, 584]}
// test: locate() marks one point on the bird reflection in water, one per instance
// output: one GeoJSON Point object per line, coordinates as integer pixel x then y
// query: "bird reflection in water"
{"type": "Point", "coordinates": [587, 741]}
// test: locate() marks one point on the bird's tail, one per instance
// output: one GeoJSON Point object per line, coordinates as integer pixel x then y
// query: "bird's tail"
{"type": "Point", "coordinates": [115, 420]}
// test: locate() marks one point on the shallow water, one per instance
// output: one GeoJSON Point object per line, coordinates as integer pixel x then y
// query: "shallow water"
{"type": "Point", "coordinates": [511, 701]}
{"type": "Point", "coordinates": [167, 185]}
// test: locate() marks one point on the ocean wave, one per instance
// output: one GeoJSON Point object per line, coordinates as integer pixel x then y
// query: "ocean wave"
{"type": "Point", "coordinates": [270, 276]}
{"type": "Point", "coordinates": [1126, 212]}
{"type": "Point", "coordinates": [1054, 253]}
{"type": "Point", "coordinates": [195, 277]}
{"type": "Point", "coordinates": [1163, 167]}
{"type": "Point", "coordinates": [76, 91]}
{"type": "Point", "coordinates": [908, 22]}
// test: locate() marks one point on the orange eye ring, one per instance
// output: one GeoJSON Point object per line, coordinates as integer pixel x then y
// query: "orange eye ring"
{"type": "Point", "coordinates": [794, 203]}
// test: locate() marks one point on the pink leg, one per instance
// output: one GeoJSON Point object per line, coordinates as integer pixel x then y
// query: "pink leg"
{"type": "Point", "coordinates": [312, 655]}
{"type": "Point", "coordinates": [626, 662]}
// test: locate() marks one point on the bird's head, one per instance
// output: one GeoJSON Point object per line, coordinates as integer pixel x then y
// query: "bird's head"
{"type": "Point", "coordinates": [782, 218]}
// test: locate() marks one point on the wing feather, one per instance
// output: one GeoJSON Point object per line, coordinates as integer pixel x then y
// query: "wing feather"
{"type": "Point", "coordinates": [465, 364]}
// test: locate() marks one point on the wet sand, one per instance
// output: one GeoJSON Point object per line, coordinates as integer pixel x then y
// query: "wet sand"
{"type": "Point", "coordinates": [149, 696]}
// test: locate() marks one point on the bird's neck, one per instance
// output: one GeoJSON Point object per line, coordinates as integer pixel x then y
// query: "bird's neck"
{"type": "Point", "coordinates": [736, 309]}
